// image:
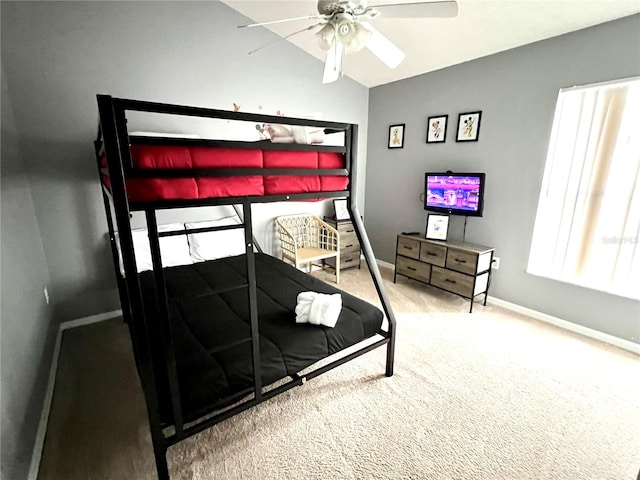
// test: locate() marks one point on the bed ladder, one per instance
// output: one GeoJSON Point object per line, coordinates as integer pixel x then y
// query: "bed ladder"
{"type": "Point", "coordinates": [166, 332]}
{"type": "Point", "coordinates": [163, 307]}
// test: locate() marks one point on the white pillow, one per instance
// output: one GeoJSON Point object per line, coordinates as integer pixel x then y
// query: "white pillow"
{"type": "Point", "coordinates": [334, 139]}
{"type": "Point", "coordinates": [212, 245]}
{"type": "Point", "coordinates": [174, 250]}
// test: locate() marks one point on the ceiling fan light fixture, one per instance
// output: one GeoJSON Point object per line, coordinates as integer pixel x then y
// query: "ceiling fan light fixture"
{"type": "Point", "coordinates": [343, 24]}
{"type": "Point", "coordinates": [359, 39]}
{"type": "Point", "coordinates": [345, 30]}
{"type": "Point", "coordinates": [325, 36]}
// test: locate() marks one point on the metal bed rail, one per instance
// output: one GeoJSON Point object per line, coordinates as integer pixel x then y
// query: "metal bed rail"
{"type": "Point", "coordinates": [113, 141]}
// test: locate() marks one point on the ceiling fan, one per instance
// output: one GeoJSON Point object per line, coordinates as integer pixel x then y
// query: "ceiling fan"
{"type": "Point", "coordinates": [345, 28]}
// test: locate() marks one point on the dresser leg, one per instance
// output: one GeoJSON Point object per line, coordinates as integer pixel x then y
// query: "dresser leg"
{"type": "Point", "coordinates": [471, 306]}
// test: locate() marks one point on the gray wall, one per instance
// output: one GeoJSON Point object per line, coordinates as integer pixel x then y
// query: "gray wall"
{"type": "Point", "coordinates": [58, 55]}
{"type": "Point", "coordinates": [27, 330]}
{"type": "Point", "coordinates": [516, 91]}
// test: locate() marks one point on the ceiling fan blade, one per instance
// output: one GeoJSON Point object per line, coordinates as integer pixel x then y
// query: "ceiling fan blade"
{"type": "Point", "coordinates": [278, 40]}
{"type": "Point", "coordinates": [442, 9]}
{"type": "Point", "coordinates": [273, 22]}
{"type": "Point", "coordinates": [382, 47]}
{"type": "Point", "coordinates": [333, 63]}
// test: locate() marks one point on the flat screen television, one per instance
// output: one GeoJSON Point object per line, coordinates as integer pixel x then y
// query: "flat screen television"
{"type": "Point", "coordinates": [454, 193]}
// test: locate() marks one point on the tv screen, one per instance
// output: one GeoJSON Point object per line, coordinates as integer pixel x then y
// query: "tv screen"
{"type": "Point", "coordinates": [454, 193]}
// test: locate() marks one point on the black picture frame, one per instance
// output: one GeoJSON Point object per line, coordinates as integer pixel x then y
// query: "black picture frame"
{"type": "Point", "coordinates": [396, 136]}
{"type": "Point", "coordinates": [437, 227]}
{"type": "Point", "coordinates": [437, 128]}
{"type": "Point", "coordinates": [340, 207]}
{"type": "Point", "coordinates": [468, 126]}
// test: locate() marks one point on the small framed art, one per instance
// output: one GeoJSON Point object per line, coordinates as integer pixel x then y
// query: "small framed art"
{"type": "Point", "coordinates": [396, 136]}
{"type": "Point", "coordinates": [340, 206]}
{"type": "Point", "coordinates": [437, 227]}
{"type": "Point", "coordinates": [468, 127]}
{"type": "Point", "coordinates": [437, 128]}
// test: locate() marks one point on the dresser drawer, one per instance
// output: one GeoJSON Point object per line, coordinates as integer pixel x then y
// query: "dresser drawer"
{"type": "Point", "coordinates": [350, 260]}
{"type": "Point", "coordinates": [349, 243]}
{"type": "Point", "coordinates": [345, 228]}
{"type": "Point", "coordinates": [458, 267]}
{"type": "Point", "coordinates": [412, 268]}
{"type": "Point", "coordinates": [346, 261]}
{"type": "Point", "coordinates": [432, 253]}
{"type": "Point", "coordinates": [462, 261]}
{"type": "Point", "coordinates": [452, 281]}
{"type": "Point", "coordinates": [409, 247]}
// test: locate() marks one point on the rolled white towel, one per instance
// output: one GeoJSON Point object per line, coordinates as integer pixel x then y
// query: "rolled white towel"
{"type": "Point", "coordinates": [318, 308]}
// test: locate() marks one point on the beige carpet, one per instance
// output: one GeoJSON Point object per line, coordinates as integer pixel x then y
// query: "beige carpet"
{"type": "Point", "coordinates": [491, 395]}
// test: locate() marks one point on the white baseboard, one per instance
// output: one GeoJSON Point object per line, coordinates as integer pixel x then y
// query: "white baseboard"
{"type": "Point", "coordinates": [100, 317]}
{"type": "Point", "coordinates": [382, 263]}
{"type": "Point", "coordinates": [573, 327]}
{"type": "Point", "coordinates": [46, 408]}
{"type": "Point", "coordinates": [558, 322]}
{"type": "Point", "coordinates": [51, 380]}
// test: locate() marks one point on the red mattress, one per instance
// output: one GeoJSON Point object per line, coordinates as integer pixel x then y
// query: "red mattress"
{"type": "Point", "coordinates": [156, 156]}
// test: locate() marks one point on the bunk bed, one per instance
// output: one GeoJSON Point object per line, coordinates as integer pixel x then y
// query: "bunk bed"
{"type": "Point", "coordinates": [213, 338]}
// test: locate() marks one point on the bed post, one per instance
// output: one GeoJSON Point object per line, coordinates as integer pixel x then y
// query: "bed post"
{"type": "Point", "coordinates": [352, 148]}
{"type": "Point", "coordinates": [165, 324]}
{"type": "Point", "coordinates": [113, 126]}
{"type": "Point", "coordinates": [122, 285]}
{"type": "Point", "coordinates": [253, 299]}
{"type": "Point", "coordinates": [241, 217]}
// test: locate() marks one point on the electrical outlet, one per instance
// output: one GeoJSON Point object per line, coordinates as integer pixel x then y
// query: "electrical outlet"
{"type": "Point", "coordinates": [46, 295]}
{"type": "Point", "coordinates": [495, 264]}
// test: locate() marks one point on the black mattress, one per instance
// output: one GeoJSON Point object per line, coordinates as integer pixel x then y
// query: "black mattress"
{"type": "Point", "coordinates": [210, 322]}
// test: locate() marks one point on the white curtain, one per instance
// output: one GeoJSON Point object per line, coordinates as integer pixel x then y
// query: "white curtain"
{"type": "Point", "coordinates": [588, 221]}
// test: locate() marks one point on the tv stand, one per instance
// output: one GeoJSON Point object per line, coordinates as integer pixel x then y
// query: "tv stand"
{"type": "Point", "coordinates": [457, 267]}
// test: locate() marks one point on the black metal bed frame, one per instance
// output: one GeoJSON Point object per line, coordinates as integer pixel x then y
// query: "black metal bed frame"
{"type": "Point", "coordinates": [113, 141]}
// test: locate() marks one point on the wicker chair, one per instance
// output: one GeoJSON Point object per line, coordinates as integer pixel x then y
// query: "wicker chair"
{"type": "Point", "coordinates": [306, 239]}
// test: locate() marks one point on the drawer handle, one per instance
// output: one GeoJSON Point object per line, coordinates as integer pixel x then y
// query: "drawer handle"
{"type": "Point", "coordinates": [350, 260]}
{"type": "Point", "coordinates": [432, 254]}
{"type": "Point", "coordinates": [408, 248]}
{"type": "Point", "coordinates": [350, 245]}
{"type": "Point", "coordinates": [349, 231]}
{"type": "Point", "coordinates": [450, 281]}
{"type": "Point", "coordinates": [460, 260]}
{"type": "Point", "coordinates": [412, 268]}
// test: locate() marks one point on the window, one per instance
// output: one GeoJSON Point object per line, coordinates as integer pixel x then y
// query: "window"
{"type": "Point", "coordinates": [588, 220]}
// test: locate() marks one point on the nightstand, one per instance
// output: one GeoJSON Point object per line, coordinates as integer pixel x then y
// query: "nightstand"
{"type": "Point", "coordinates": [349, 244]}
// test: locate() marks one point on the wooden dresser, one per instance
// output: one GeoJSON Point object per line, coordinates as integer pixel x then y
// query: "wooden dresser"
{"type": "Point", "coordinates": [349, 244]}
{"type": "Point", "coordinates": [457, 267]}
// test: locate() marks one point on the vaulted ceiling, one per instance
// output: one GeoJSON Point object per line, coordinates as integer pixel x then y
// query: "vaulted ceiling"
{"type": "Point", "coordinates": [482, 27]}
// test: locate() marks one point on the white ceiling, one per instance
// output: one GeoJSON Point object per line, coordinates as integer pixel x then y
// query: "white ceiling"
{"type": "Point", "coordinates": [482, 27]}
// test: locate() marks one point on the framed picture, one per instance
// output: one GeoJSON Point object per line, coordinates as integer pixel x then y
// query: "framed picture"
{"type": "Point", "coordinates": [437, 129]}
{"type": "Point", "coordinates": [340, 206]}
{"type": "Point", "coordinates": [437, 227]}
{"type": "Point", "coordinates": [468, 127]}
{"type": "Point", "coordinates": [396, 136]}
